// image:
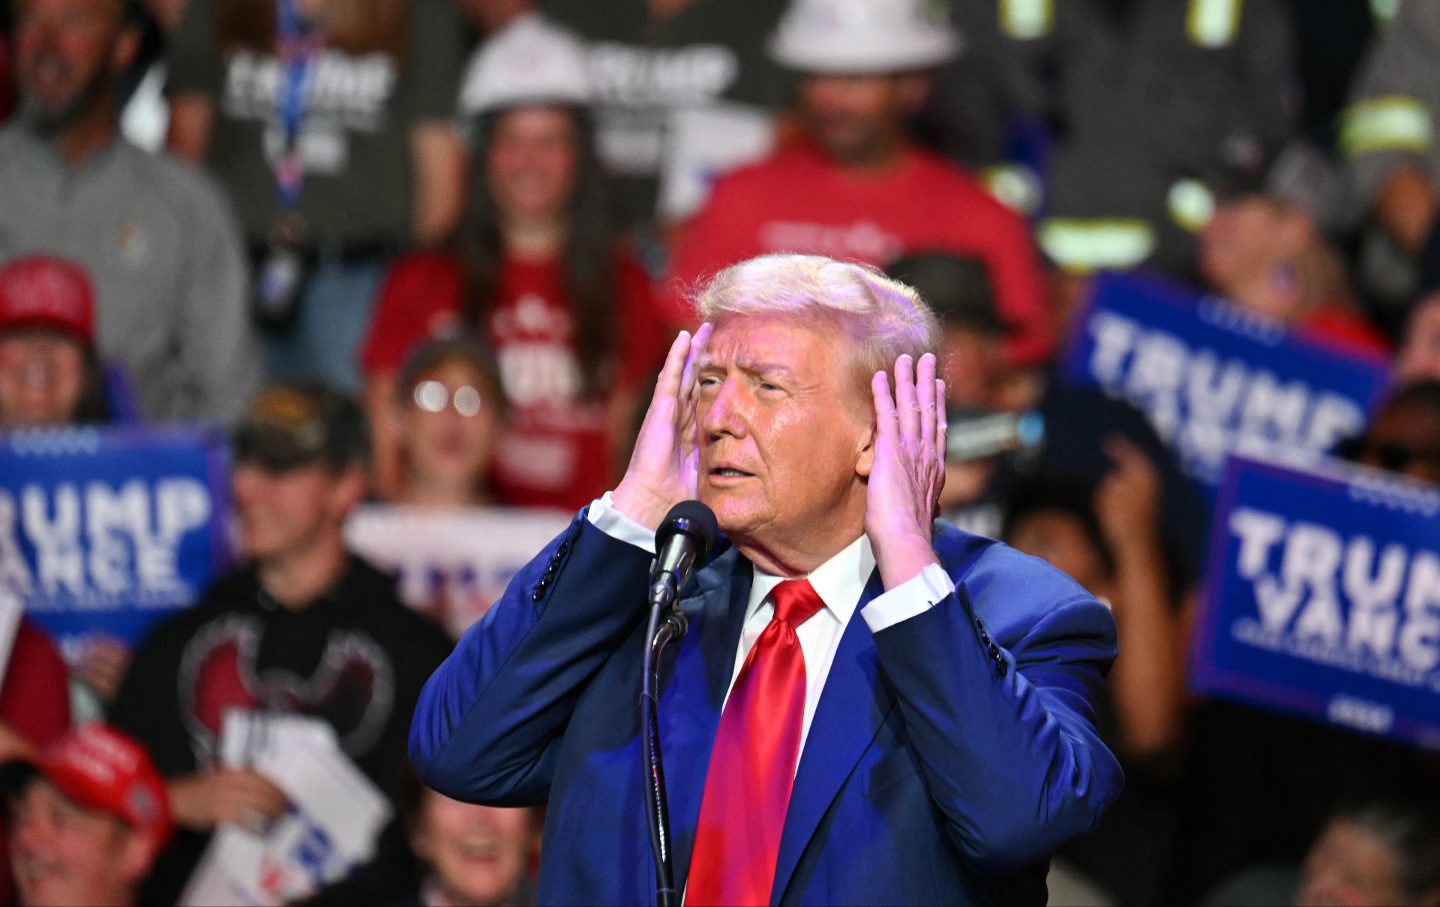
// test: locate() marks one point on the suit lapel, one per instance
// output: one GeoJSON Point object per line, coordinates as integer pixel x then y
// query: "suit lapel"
{"type": "Point", "coordinates": [694, 691]}
{"type": "Point", "coordinates": [852, 708]}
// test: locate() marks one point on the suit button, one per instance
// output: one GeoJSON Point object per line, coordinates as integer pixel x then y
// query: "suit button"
{"type": "Point", "coordinates": [1001, 666]}
{"type": "Point", "coordinates": [985, 638]}
{"type": "Point", "coordinates": [537, 593]}
{"type": "Point", "coordinates": [995, 653]}
{"type": "Point", "coordinates": [562, 550]}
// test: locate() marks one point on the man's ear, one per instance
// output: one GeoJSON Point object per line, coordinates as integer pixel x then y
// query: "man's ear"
{"type": "Point", "coordinates": [351, 483]}
{"type": "Point", "coordinates": [866, 459]}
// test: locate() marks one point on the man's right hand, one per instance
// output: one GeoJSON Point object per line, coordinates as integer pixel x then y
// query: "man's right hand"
{"type": "Point", "coordinates": [664, 466]}
{"type": "Point", "coordinates": [240, 796]}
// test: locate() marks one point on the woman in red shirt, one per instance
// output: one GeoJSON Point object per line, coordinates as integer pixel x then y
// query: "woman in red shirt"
{"type": "Point", "coordinates": [540, 275]}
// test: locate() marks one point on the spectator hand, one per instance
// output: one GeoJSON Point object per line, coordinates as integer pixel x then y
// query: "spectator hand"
{"type": "Point", "coordinates": [908, 468]}
{"type": "Point", "coordinates": [103, 665]}
{"type": "Point", "coordinates": [1127, 500]}
{"type": "Point", "coordinates": [240, 796]}
{"type": "Point", "coordinates": [664, 466]}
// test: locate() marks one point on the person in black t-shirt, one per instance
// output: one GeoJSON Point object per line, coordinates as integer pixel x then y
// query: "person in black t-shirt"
{"type": "Point", "coordinates": [304, 627]}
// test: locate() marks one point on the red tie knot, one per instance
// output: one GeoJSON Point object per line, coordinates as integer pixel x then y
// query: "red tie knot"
{"type": "Point", "coordinates": [796, 601]}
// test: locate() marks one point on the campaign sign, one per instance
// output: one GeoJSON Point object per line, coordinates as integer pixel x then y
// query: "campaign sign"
{"type": "Point", "coordinates": [1215, 379]}
{"type": "Point", "coordinates": [1323, 597]}
{"type": "Point", "coordinates": [452, 564]}
{"type": "Point", "coordinates": [110, 529]}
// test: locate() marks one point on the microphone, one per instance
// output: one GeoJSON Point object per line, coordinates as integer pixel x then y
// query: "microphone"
{"type": "Point", "coordinates": [685, 536]}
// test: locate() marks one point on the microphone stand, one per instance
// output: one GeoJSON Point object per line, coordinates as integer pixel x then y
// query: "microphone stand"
{"type": "Point", "coordinates": [666, 625]}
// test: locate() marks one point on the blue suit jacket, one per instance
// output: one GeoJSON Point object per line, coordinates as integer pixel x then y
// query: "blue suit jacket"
{"type": "Point", "coordinates": [949, 754]}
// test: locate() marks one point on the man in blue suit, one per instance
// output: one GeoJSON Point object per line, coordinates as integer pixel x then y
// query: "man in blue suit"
{"type": "Point", "coordinates": [938, 742]}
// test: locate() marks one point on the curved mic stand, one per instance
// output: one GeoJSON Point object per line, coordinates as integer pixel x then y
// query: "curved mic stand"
{"type": "Point", "coordinates": [666, 625]}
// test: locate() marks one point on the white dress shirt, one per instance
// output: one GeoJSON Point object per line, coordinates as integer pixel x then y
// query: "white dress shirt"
{"type": "Point", "coordinates": [839, 581]}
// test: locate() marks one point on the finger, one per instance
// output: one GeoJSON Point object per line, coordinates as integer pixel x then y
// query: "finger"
{"type": "Point", "coordinates": [942, 422]}
{"type": "Point", "coordinates": [692, 357]}
{"type": "Point", "coordinates": [925, 397]}
{"type": "Point", "coordinates": [667, 385]}
{"type": "Point", "coordinates": [688, 380]}
{"type": "Point", "coordinates": [886, 419]}
{"type": "Point", "coordinates": [905, 402]}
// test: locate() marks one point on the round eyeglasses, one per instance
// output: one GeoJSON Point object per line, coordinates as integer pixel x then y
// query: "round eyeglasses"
{"type": "Point", "coordinates": [433, 396]}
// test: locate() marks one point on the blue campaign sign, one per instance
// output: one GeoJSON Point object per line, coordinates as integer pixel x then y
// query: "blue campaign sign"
{"type": "Point", "coordinates": [1322, 597]}
{"type": "Point", "coordinates": [1215, 379]}
{"type": "Point", "coordinates": [110, 529]}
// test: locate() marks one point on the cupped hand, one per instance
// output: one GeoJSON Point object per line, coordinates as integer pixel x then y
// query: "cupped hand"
{"type": "Point", "coordinates": [908, 468]}
{"type": "Point", "coordinates": [664, 466]}
{"type": "Point", "coordinates": [1127, 500]}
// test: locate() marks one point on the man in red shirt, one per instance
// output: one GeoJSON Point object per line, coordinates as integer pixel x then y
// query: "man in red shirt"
{"type": "Point", "coordinates": [855, 187]}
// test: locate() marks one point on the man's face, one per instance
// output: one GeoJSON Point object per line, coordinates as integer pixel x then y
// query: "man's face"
{"type": "Point", "coordinates": [42, 378]}
{"type": "Point", "coordinates": [860, 120]}
{"type": "Point", "coordinates": [288, 512]}
{"type": "Point", "coordinates": [784, 431]}
{"type": "Point", "coordinates": [65, 57]}
{"type": "Point", "coordinates": [64, 854]}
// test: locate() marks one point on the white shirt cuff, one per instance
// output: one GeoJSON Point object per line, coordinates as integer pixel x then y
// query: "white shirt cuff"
{"type": "Point", "coordinates": [915, 596]}
{"type": "Point", "coordinates": [618, 526]}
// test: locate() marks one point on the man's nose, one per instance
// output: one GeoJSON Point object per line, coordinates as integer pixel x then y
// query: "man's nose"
{"type": "Point", "coordinates": [725, 412]}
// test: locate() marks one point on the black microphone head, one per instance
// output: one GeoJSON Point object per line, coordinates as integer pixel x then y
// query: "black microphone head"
{"type": "Point", "coordinates": [695, 520]}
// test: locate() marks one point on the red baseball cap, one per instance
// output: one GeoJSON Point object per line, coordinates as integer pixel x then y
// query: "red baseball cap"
{"type": "Point", "coordinates": [46, 291]}
{"type": "Point", "coordinates": [100, 768]}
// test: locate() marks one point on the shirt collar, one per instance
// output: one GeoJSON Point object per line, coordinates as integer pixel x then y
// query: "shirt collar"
{"type": "Point", "coordinates": [839, 581]}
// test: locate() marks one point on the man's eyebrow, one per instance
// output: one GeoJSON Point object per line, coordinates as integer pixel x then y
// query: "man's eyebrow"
{"type": "Point", "coordinates": [749, 366]}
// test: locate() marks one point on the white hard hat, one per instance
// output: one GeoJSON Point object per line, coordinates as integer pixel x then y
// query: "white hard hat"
{"type": "Point", "coordinates": [530, 61]}
{"type": "Point", "coordinates": [862, 37]}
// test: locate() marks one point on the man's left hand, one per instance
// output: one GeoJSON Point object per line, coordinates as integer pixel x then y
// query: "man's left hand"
{"type": "Point", "coordinates": [908, 469]}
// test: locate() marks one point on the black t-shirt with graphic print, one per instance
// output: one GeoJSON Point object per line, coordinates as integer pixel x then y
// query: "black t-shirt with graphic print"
{"type": "Point", "coordinates": [355, 658]}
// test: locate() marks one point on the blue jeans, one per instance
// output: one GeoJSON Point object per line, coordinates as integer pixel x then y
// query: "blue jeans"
{"type": "Point", "coordinates": [333, 319]}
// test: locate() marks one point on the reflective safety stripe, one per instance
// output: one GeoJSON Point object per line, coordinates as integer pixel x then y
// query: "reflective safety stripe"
{"type": "Point", "coordinates": [1191, 204]}
{"type": "Point", "coordinates": [1384, 11]}
{"type": "Point", "coordinates": [1025, 20]}
{"type": "Point", "coordinates": [1017, 187]}
{"type": "Point", "coordinates": [1390, 123]}
{"type": "Point", "coordinates": [1082, 246]}
{"type": "Point", "coordinates": [1213, 23]}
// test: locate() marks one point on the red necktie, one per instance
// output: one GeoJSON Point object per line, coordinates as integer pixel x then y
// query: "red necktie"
{"type": "Point", "coordinates": [752, 764]}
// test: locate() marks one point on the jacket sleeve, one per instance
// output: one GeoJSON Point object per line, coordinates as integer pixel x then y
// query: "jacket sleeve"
{"type": "Point", "coordinates": [489, 722]}
{"type": "Point", "coordinates": [997, 685]}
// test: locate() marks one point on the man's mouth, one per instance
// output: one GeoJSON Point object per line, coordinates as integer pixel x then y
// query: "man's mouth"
{"type": "Point", "coordinates": [729, 473]}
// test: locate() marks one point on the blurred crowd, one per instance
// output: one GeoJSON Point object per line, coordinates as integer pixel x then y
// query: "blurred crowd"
{"type": "Point", "coordinates": [430, 253]}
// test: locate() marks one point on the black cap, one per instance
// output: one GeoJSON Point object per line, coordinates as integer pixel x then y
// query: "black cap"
{"type": "Point", "coordinates": [957, 288]}
{"type": "Point", "coordinates": [295, 425]}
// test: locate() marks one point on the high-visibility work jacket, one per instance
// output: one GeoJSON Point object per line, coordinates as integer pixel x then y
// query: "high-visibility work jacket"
{"type": "Point", "coordinates": [1149, 114]}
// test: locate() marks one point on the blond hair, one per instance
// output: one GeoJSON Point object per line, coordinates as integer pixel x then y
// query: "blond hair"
{"type": "Point", "coordinates": [883, 317]}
